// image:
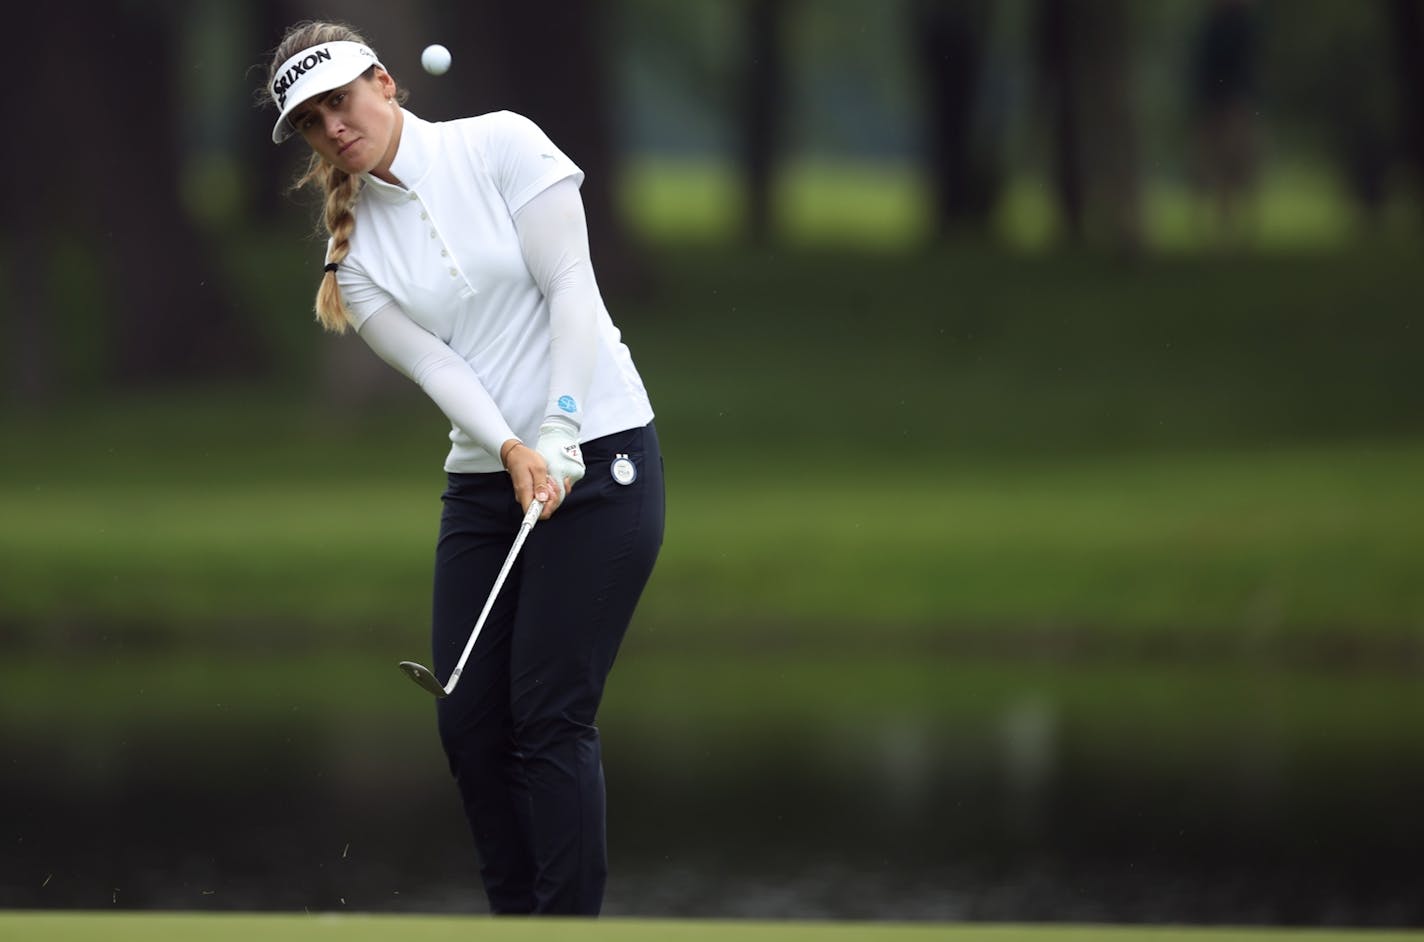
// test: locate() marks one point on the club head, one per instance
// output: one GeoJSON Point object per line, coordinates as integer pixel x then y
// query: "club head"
{"type": "Point", "coordinates": [423, 676]}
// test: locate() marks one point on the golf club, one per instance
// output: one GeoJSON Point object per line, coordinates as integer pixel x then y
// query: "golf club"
{"type": "Point", "coordinates": [423, 675]}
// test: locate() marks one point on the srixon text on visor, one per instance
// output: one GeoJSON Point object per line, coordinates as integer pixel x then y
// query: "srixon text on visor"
{"type": "Point", "coordinates": [283, 83]}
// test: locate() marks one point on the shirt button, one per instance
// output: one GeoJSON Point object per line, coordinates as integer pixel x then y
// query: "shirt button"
{"type": "Point", "coordinates": [432, 233]}
{"type": "Point", "coordinates": [444, 253]}
{"type": "Point", "coordinates": [424, 215]}
{"type": "Point", "coordinates": [453, 273]}
{"type": "Point", "coordinates": [412, 197]}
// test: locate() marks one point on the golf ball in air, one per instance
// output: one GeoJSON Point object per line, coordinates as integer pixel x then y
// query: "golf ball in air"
{"type": "Point", "coordinates": [435, 59]}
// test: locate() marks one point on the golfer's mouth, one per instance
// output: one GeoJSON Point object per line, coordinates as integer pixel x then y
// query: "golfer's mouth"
{"type": "Point", "coordinates": [341, 151]}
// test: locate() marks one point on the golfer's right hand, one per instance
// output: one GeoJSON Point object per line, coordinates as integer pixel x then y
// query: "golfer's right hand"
{"type": "Point", "coordinates": [530, 474]}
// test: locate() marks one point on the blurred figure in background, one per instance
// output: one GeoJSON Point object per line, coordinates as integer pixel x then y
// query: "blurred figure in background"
{"type": "Point", "coordinates": [459, 253]}
{"type": "Point", "coordinates": [1224, 114]}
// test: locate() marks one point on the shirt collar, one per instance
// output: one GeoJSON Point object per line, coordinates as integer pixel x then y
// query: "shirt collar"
{"type": "Point", "coordinates": [413, 159]}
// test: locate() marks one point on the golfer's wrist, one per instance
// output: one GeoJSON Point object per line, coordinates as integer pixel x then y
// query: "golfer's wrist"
{"type": "Point", "coordinates": [559, 423]}
{"type": "Point", "coordinates": [509, 445]}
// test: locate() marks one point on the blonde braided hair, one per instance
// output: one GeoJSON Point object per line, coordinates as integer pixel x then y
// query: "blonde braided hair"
{"type": "Point", "coordinates": [341, 190]}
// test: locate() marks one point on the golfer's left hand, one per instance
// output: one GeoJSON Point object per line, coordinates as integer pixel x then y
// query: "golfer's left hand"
{"type": "Point", "coordinates": [558, 446]}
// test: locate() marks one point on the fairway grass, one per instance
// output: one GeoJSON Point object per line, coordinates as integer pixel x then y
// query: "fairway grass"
{"type": "Point", "coordinates": [82, 927]}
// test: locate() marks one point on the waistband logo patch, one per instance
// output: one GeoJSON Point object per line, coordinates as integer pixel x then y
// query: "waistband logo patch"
{"type": "Point", "coordinates": [623, 470]}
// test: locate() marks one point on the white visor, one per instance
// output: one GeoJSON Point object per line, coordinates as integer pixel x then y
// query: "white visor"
{"type": "Point", "coordinates": [314, 70]}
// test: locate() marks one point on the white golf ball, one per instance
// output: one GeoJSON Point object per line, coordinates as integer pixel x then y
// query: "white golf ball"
{"type": "Point", "coordinates": [435, 59]}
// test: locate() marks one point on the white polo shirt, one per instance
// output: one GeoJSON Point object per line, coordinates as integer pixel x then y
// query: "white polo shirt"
{"type": "Point", "coordinates": [444, 248]}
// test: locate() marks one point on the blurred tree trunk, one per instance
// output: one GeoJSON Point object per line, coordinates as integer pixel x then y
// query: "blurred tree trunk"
{"type": "Point", "coordinates": [272, 166]}
{"type": "Point", "coordinates": [763, 109]}
{"type": "Point", "coordinates": [1058, 77]}
{"type": "Point", "coordinates": [170, 315]}
{"type": "Point", "coordinates": [1408, 27]}
{"type": "Point", "coordinates": [949, 38]}
{"type": "Point", "coordinates": [28, 194]}
{"type": "Point", "coordinates": [166, 317]}
{"type": "Point", "coordinates": [1085, 69]}
{"type": "Point", "coordinates": [29, 340]}
{"type": "Point", "coordinates": [1113, 127]}
{"type": "Point", "coordinates": [551, 64]}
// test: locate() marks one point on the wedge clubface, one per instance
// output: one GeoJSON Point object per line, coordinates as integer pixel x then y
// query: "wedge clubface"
{"type": "Point", "coordinates": [423, 675]}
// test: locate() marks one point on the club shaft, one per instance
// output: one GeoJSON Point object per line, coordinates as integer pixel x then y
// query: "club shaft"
{"type": "Point", "coordinates": [527, 524]}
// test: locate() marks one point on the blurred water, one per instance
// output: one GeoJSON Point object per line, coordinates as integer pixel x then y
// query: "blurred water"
{"type": "Point", "coordinates": [1027, 817]}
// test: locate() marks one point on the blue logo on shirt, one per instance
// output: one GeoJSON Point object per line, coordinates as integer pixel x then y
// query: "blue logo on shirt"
{"type": "Point", "coordinates": [567, 404]}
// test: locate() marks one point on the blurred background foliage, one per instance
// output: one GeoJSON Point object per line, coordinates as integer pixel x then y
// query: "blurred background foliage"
{"type": "Point", "coordinates": [1027, 126]}
{"type": "Point", "coordinates": [1039, 383]}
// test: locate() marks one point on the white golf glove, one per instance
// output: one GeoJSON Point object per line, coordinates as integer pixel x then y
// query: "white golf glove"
{"type": "Point", "coordinates": [558, 444]}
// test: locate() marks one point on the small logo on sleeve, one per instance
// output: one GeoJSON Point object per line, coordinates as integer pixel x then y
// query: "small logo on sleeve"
{"type": "Point", "coordinates": [568, 404]}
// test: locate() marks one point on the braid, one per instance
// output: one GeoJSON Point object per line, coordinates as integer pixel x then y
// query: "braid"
{"type": "Point", "coordinates": [341, 190]}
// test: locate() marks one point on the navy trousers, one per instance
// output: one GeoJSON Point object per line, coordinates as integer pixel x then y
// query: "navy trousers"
{"type": "Point", "coordinates": [519, 729]}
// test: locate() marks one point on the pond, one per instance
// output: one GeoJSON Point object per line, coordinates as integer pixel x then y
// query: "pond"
{"type": "Point", "coordinates": [770, 786]}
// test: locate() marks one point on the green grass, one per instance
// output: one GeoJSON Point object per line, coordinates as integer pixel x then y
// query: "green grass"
{"type": "Point", "coordinates": [22, 927]}
{"type": "Point", "coordinates": [883, 206]}
{"type": "Point", "coordinates": [1296, 540]}
{"type": "Point", "coordinates": [963, 351]}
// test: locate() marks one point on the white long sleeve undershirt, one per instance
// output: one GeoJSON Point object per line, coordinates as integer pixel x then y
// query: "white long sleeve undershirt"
{"type": "Point", "coordinates": [443, 374]}
{"type": "Point", "coordinates": [553, 237]}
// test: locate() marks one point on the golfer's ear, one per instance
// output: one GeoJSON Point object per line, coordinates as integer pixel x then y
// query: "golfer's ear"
{"type": "Point", "coordinates": [384, 83]}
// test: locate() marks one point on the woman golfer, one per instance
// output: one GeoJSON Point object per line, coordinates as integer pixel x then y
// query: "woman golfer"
{"type": "Point", "coordinates": [458, 251]}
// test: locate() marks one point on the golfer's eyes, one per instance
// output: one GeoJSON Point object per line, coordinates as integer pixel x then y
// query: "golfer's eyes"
{"type": "Point", "coordinates": [308, 120]}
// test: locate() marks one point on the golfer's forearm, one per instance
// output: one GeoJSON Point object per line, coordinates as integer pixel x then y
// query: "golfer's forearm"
{"type": "Point", "coordinates": [443, 374]}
